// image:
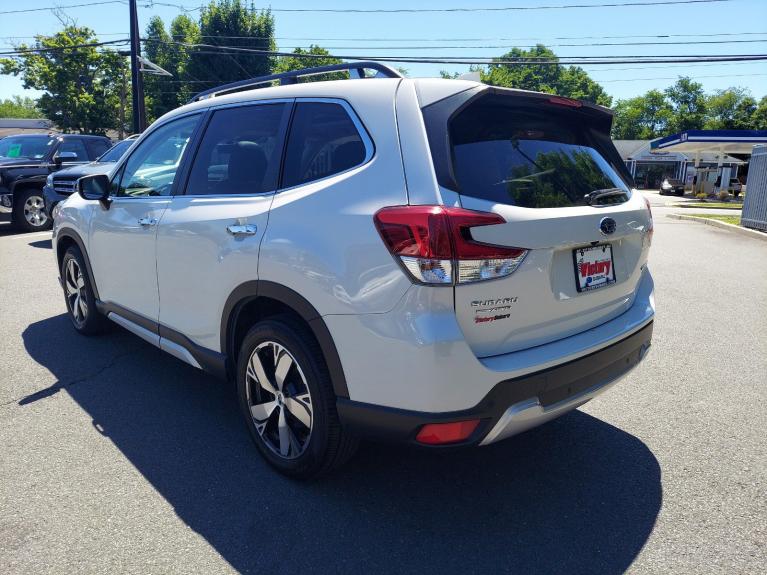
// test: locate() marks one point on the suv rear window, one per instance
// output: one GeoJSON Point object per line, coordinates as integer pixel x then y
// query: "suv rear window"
{"type": "Point", "coordinates": [528, 157]}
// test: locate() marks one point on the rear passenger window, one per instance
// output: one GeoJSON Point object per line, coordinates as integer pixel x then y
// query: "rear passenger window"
{"type": "Point", "coordinates": [240, 152]}
{"type": "Point", "coordinates": [74, 145]}
{"type": "Point", "coordinates": [97, 147]}
{"type": "Point", "coordinates": [323, 141]}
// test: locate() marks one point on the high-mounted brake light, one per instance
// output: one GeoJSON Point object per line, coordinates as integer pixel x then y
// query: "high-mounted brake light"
{"type": "Point", "coordinates": [434, 244]}
{"type": "Point", "coordinates": [560, 101]}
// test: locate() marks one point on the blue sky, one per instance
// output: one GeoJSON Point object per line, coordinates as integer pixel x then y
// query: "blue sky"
{"type": "Point", "coordinates": [498, 30]}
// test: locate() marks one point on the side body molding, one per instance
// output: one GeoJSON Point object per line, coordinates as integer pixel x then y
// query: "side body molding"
{"type": "Point", "coordinates": [249, 291]}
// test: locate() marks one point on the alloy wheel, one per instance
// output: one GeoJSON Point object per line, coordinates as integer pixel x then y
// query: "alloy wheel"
{"type": "Point", "coordinates": [279, 400]}
{"type": "Point", "coordinates": [74, 283]}
{"type": "Point", "coordinates": [34, 211]}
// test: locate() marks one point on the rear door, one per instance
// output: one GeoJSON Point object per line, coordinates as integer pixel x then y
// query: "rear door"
{"type": "Point", "coordinates": [547, 167]}
{"type": "Point", "coordinates": [209, 237]}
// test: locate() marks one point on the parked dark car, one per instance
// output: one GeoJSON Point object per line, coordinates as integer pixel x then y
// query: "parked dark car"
{"type": "Point", "coordinates": [60, 185]}
{"type": "Point", "coordinates": [671, 186]}
{"type": "Point", "coordinates": [25, 163]}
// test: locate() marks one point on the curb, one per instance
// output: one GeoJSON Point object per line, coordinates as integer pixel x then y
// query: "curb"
{"type": "Point", "coordinates": [734, 208]}
{"type": "Point", "coordinates": [724, 225]}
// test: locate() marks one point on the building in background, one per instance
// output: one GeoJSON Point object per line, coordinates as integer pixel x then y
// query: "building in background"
{"type": "Point", "coordinates": [649, 167]}
{"type": "Point", "coordinates": [10, 126]}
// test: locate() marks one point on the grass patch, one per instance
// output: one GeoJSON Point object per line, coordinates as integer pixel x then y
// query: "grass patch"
{"type": "Point", "coordinates": [735, 220]}
{"type": "Point", "coordinates": [711, 205]}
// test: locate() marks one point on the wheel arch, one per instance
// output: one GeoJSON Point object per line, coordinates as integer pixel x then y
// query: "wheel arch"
{"type": "Point", "coordinates": [258, 299]}
{"type": "Point", "coordinates": [66, 238]}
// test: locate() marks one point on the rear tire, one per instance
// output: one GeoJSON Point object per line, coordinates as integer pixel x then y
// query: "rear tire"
{"type": "Point", "coordinates": [79, 295]}
{"type": "Point", "coordinates": [29, 212]}
{"type": "Point", "coordinates": [287, 400]}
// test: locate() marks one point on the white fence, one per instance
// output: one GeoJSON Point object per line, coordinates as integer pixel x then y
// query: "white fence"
{"type": "Point", "coordinates": [755, 203]}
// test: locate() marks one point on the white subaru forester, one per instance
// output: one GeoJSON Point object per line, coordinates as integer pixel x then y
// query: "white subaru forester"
{"type": "Point", "coordinates": [420, 260]}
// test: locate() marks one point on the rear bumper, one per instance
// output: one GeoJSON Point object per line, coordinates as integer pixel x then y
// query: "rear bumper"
{"type": "Point", "coordinates": [513, 405]}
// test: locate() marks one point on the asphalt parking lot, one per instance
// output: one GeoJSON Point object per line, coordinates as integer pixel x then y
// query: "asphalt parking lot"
{"type": "Point", "coordinates": [116, 458]}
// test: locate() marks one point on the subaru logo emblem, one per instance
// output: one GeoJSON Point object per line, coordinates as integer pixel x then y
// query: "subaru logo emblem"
{"type": "Point", "coordinates": [607, 226]}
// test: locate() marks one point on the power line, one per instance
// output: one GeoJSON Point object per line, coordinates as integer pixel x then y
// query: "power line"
{"type": "Point", "coordinates": [496, 61]}
{"type": "Point", "coordinates": [463, 9]}
{"type": "Point", "coordinates": [26, 10]}
{"type": "Point", "coordinates": [676, 77]}
{"type": "Point", "coordinates": [508, 46]}
{"type": "Point", "coordinates": [20, 51]}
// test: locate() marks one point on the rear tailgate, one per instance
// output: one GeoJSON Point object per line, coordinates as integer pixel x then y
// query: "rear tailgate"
{"type": "Point", "coordinates": [531, 159]}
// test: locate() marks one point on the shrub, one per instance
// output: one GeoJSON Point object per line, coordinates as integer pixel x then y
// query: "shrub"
{"type": "Point", "coordinates": [701, 195]}
{"type": "Point", "coordinates": [723, 195]}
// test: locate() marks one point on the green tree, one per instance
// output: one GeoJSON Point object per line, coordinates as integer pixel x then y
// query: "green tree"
{"type": "Point", "coordinates": [288, 63]}
{"type": "Point", "coordinates": [232, 23]}
{"type": "Point", "coordinates": [82, 85]}
{"type": "Point", "coordinates": [19, 107]}
{"type": "Point", "coordinates": [172, 53]}
{"type": "Point", "coordinates": [730, 109]}
{"type": "Point", "coordinates": [689, 103]}
{"type": "Point", "coordinates": [569, 81]}
{"type": "Point", "coordinates": [643, 117]}
{"type": "Point", "coordinates": [759, 117]}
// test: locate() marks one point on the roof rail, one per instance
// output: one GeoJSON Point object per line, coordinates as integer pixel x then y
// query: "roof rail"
{"type": "Point", "coordinates": [355, 69]}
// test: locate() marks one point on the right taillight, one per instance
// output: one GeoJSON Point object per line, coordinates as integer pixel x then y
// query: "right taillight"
{"type": "Point", "coordinates": [652, 226]}
{"type": "Point", "coordinates": [435, 246]}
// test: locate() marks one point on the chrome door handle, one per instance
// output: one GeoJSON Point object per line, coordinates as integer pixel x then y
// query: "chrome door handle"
{"type": "Point", "coordinates": [147, 221]}
{"type": "Point", "coordinates": [242, 229]}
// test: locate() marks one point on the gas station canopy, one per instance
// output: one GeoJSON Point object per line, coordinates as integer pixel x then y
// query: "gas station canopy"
{"type": "Point", "coordinates": [727, 141]}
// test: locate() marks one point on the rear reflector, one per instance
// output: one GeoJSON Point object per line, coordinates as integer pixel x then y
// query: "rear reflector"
{"type": "Point", "coordinates": [442, 433]}
{"type": "Point", "coordinates": [435, 246]}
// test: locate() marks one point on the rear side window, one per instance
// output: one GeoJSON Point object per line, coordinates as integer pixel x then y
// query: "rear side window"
{"type": "Point", "coordinates": [530, 158]}
{"type": "Point", "coordinates": [240, 151]}
{"type": "Point", "coordinates": [323, 141]}
{"type": "Point", "coordinates": [97, 147]}
{"type": "Point", "coordinates": [75, 145]}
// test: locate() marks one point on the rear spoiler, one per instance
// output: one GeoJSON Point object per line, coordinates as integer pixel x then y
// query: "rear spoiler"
{"type": "Point", "coordinates": [437, 117]}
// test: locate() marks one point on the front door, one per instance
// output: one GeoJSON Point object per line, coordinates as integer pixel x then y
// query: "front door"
{"type": "Point", "coordinates": [209, 237]}
{"type": "Point", "coordinates": [122, 245]}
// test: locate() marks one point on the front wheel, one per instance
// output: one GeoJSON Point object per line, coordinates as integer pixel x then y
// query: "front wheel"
{"type": "Point", "coordinates": [287, 400]}
{"type": "Point", "coordinates": [78, 293]}
{"type": "Point", "coordinates": [29, 212]}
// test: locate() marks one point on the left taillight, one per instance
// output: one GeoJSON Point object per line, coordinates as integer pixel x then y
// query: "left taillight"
{"type": "Point", "coordinates": [435, 245]}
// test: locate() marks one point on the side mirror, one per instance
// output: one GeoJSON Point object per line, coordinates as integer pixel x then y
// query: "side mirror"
{"type": "Point", "coordinates": [64, 157]}
{"type": "Point", "coordinates": [95, 187]}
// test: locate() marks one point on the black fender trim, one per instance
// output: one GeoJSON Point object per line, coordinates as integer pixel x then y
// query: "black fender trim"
{"type": "Point", "coordinates": [73, 235]}
{"type": "Point", "coordinates": [248, 291]}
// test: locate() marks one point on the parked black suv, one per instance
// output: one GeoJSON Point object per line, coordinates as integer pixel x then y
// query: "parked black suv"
{"type": "Point", "coordinates": [26, 161]}
{"type": "Point", "coordinates": [60, 185]}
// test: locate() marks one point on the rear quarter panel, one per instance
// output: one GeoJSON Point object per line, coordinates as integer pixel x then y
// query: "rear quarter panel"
{"type": "Point", "coordinates": [321, 240]}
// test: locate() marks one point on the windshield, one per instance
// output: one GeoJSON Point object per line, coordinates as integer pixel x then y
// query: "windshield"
{"type": "Point", "coordinates": [526, 158]}
{"type": "Point", "coordinates": [32, 147]}
{"type": "Point", "coordinates": [115, 152]}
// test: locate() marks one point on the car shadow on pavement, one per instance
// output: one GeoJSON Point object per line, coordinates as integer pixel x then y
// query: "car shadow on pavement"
{"type": "Point", "coordinates": [45, 244]}
{"type": "Point", "coordinates": [574, 496]}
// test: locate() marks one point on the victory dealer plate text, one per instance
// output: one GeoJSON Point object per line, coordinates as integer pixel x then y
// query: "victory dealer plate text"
{"type": "Point", "coordinates": [594, 267]}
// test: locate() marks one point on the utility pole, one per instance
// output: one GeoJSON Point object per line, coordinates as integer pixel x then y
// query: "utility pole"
{"type": "Point", "coordinates": [139, 113]}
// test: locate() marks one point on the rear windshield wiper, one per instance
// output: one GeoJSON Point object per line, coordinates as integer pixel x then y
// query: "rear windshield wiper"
{"type": "Point", "coordinates": [593, 197]}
